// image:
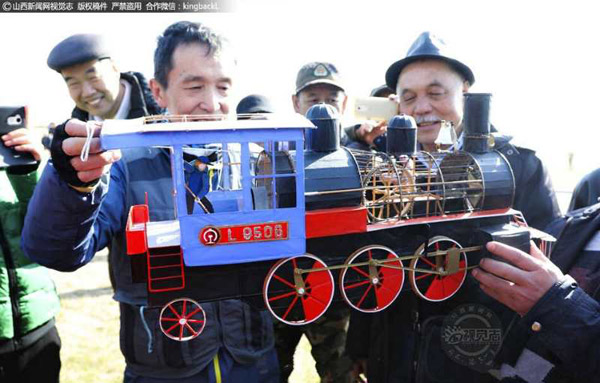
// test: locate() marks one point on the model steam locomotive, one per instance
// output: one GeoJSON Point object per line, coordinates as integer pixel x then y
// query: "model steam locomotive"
{"type": "Point", "coordinates": [277, 227]}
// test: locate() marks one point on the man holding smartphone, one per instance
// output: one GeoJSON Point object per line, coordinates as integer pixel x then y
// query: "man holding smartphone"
{"type": "Point", "coordinates": [29, 341]}
{"type": "Point", "coordinates": [320, 82]}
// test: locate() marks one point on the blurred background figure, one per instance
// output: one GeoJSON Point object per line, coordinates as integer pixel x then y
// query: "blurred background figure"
{"type": "Point", "coordinates": [47, 138]}
{"type": "Point", "coordinates": [254, 103]}
{"type": "Point", "coordinates": [29, 342]}
{"type": "Point", "coordinates": [587, 191]}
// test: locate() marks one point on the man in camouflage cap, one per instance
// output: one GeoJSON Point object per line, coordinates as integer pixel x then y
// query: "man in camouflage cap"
{"type": "Point", "coordinates": [317, 82]}
{"type": "Point", "coordinates": [320, 82]}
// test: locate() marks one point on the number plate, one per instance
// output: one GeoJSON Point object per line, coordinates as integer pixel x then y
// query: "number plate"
{"type": "Point", "coordinates": [229, 235]}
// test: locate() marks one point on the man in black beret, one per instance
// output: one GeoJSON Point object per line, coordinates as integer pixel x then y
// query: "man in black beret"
{"type": "Point", "coordinates": [405, 340]}
{"type": "Point", "coordinates": [254, 103]}
{"type": "Point", "coordinates": [382, 91]}
{"type": "Point", "coordinates": [100, 92]}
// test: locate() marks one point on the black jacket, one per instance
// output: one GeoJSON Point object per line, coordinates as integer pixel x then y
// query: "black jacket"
{"type": "Point", "coordinates": [142, 101]}
{"type": "Point", "coordinates": [566, 347]}
{"type": "Point", "coordinates": [403, 343]}
{"type": "Point", "coordinates": [534, 194]}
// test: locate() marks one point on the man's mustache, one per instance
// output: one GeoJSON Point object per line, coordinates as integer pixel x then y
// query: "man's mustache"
{"type": "Point", "coordinates": [427, 119]}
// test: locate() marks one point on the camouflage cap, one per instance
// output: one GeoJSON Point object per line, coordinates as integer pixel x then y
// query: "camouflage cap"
{"type": "Point", "coordinates": [318, 73]}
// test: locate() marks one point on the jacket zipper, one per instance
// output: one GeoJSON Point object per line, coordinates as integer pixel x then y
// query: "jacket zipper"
{"type": "Point", "coordinates": [12, 283]}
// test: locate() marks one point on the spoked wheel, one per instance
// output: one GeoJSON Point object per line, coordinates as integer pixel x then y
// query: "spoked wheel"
{"type": "Point", "coordinates": [182, 319]}
{"type": "Point", "coordinates": [438, 277]}
{"type": "Point", "coordinates": [298, 298]}
{"type": "Point", "coordinates": [382, 192]}
{"type": "Point", "coordinates": [374, 286]}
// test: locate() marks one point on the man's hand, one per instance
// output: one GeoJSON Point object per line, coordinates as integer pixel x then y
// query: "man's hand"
{"type": "Point", "coordinates": [520, 284]}
{"type": "Point", "coordinates": [22, 140]}
{"type": "Point", "coordinates": [368, 132]}
{"type": "Point", "coordinates": [66, 150]}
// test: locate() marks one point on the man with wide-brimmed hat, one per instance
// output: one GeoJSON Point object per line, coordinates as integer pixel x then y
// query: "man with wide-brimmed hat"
{"type": "Point", "coordinates": [430, 83]}
{"type": "Point", "coordinates": [404, 342]}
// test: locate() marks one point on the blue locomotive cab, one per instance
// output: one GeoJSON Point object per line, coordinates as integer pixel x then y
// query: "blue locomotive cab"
{"type": "Point", "coordinates": [227, 212]}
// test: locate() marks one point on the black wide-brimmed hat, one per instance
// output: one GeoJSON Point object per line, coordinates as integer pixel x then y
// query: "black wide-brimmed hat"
{"type": "Point", "coordinates": [427, 46]}
{"type": "Point", "coordinates": [77, 49]}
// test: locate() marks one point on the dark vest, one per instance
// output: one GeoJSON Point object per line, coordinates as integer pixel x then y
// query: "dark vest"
{"type": "Point", "coordinates": [246, 333]}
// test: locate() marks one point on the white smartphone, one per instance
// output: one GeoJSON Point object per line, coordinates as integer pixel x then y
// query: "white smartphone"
{"type": "Point", "coordinates": [374, 108]}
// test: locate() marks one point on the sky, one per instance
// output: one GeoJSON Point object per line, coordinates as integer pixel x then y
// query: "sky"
{"type": "Point", "coordinates": [539, 59]}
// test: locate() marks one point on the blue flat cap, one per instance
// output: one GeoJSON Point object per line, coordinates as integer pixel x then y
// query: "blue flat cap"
{"type": "Point", "coordinates": [77, 49]}
{"type": "Point", "coordinates": [427, 46]}
{"type": "Point", "coordinates": [254, 103]}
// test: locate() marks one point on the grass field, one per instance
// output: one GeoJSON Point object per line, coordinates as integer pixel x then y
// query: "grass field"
{"type": "Point", "coordinates": [88, 324]}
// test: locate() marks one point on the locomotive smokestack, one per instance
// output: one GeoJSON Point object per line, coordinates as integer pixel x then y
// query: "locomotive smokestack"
{"type": "Point", "coordinates": [326, 138]}
{"type": "Point", "coordinates": [401, 136]}
{"type": "Point", "coordinates": [476, 122]}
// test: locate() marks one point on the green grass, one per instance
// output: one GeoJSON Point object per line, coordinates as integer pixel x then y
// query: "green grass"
{"type": "Point", "coordinates": [88, 324]}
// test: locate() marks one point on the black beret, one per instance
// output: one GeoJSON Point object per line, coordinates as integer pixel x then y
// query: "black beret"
{"type": "Point", "coordinates": [427, 46]}
{"type": "Point", "coordinates": [382, 91]}
{"type": "Point", "coordinates": [77, 49]}
{"type": "Point", "coordinates": [254, 103]}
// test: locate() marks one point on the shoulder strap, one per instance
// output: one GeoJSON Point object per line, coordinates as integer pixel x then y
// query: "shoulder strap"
{"type": "Point", "coordinates": [580, 226]}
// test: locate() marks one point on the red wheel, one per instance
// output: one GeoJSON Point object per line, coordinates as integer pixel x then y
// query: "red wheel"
{"type": "Point", "coordinates": [182, 319]}
{"type": "Point", "coordinates": [424, 278]}
{"type": "Point", "coordinates": [294, 298]}
{"type": "Point", "coordinates": [371, 287]}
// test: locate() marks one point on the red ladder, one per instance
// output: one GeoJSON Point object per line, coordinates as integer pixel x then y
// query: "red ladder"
{"type": "Point", "coordinates": [165, 269]}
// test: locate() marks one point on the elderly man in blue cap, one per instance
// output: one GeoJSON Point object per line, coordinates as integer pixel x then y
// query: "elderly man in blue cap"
{"type": "Point", "coordinates": [405, 341]}
{"type": "Point", "coordinates": [99, 90]}
{"type": "Point", "coordinates": [95, 84]}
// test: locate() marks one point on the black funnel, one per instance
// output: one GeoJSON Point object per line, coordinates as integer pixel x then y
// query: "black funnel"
{"type": "Point", "coordinates": [326, 137]}
{"type": "Point", "coordinates": [401, 136]}
{"type": "Point", "coordinates": [476, 122]}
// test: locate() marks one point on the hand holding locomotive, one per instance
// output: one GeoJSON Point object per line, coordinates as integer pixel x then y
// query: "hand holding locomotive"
{"type": "Point", "coordinates": [521, 283]}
